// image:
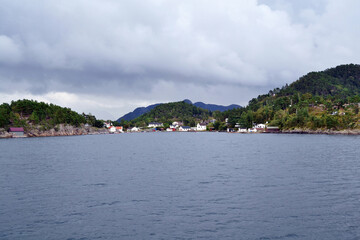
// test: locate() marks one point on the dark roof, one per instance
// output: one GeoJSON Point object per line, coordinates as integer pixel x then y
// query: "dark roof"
{"type": "Point", "coordinates": [185, 127]}
{"type": "Point", "coordinates": [16, 129]}
{"type": "Point", "coordinates": [202, 124]}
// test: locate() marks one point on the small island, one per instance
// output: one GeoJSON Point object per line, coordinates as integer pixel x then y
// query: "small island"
{"type": "Point", "coordinates": [28, 118]}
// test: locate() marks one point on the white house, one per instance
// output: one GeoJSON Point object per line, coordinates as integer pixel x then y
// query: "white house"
{"type": "Point", "coordinates": [107, 124]}
{"type": "Point", "coordinates": [171, 129]}
{"type": "Point", "coordinates": [261, 125]}
{"type": "Point", "coordinates": [112, 129]}
{"type": "Point", "coordinates": [176, 124]}
{"type": "Point", "coordinates": [155, 124]}
{"type": "Point", "coordinates": [201, 127]}
{"type": "Point", "coordinates": [184, 128]}
{"type": "Point", "coordinates": [135, 129]}
{"type": "Point", "coordinates": [242, 130]}
{"type": "Point", "coordinates": [252, 130]}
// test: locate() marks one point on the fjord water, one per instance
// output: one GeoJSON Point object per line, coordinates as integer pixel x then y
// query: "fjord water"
{"type": "Point", "coordinates": [180, 186]}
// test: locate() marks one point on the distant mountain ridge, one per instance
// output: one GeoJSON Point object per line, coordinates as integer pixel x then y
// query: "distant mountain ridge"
{"type": "Point", "coordinates": [142, 110]}
{"type": "Point", "coordinates": [167, 113]}
{"type": "Point", "coordinates": [137, 112]}
{"type": "Point", "coordinates": [213, 107]}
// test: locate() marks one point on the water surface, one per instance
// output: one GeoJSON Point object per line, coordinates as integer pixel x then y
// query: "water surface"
{"type": "Point", "coordinates": [180, 186]}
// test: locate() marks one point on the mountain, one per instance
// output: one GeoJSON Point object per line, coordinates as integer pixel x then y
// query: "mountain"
{"type": "Point", "coordinates": [174, 111]}
{"type": "Point", "coordinates": [137, 112]}
{"type": "Point", "coordinates": [142, 110]}
{"type": "Point", "coordinates": [214, 107]}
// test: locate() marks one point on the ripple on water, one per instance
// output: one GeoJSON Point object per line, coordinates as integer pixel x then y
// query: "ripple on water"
{"type": "Point", "coordinates": [180, 186]}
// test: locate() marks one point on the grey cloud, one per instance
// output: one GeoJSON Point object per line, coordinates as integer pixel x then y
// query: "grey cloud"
{"type": "Point", "coordinates": [132, 47]}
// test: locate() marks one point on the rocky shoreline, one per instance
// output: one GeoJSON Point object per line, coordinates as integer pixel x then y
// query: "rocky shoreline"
{"type": "Point", "coordinates": [60, 130]}
{"type": "Point", "coordinates": [66, 130]}
{"type": "Point", "coordinates": [323, 131]}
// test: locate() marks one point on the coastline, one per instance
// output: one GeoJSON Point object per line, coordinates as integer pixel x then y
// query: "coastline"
{"type": "Point", "coordinates": [322, 131]}
{"type": "Point", "coordinates": [77, 131]}
{"type": "Point", "coordinates": [61, 130]}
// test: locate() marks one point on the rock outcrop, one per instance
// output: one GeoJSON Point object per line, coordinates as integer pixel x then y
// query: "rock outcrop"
{"type": "Point", "coordinates": [323, 131]}
{"type": "Point", "coordinates": [60, 130]}
{"type": "Point", "coordinates": [4, 133]}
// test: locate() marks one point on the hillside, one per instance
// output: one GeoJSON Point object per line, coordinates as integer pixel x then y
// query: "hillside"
{"type": "Point", "coordinates": [319, 100]}
{"type": "Point", "coordinates": [342, 81]}
{"type": "Point", "coordinates": [175, 111]}
{"type": "Point", "coordinates": [142, 110]}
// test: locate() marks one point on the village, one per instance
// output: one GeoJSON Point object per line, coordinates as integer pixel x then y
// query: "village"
{"type": "Point", "coordinates": [178, 126]}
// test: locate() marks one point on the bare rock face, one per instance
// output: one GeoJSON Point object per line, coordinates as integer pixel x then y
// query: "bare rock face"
{"type": "Point", "coordinates": [64, 130]}
{"type": "Point", "coordinates": [324, 131]}
{"type": "Point", "coordinates": [5, 134]}
{"type": "Point", "coordinates": [59, 130]}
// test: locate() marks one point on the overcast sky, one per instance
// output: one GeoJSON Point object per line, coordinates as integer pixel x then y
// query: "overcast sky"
{"type": "Point", "coordinates": [108, 57]}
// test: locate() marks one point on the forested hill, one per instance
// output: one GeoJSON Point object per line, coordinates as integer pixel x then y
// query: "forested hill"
{"type": "Point", "coordinates": [342, 81]}
{"type": "Point", "coordinates": [142, 110]}
{"type": "Point", "coordinates": [137, 112]}
{"type": "Point", "coordinates": [175, 111]}
{"type": "Point", "coordinates": [329, 99]}
{"type": "Point", "coordinates": [27, 113]}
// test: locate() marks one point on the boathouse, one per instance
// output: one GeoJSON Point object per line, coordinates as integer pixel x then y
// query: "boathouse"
{"type": "Point", "coordinates": [272, 129]}
{"type": "Point", "coordinates": [17, 131]}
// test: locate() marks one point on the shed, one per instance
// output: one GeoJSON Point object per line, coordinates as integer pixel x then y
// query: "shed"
{"type": "Point", "coordinates": [272, 129]}
{"type": "Point", "coordinates": [17, 131]}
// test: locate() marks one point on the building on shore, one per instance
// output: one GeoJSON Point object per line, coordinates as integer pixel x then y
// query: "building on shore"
{"type": "Point", "coordinates": [112, 129]}
{"type": "Point", "coordinates": [135, 129]}
{"type": "Point", "coordinates": [252, 130]}
{"type": "Point", "coordinates": [155, 125]}
{"type": "Point", "coordinates": [17, 131]}
{"type": "Point", "coordinates": [184, 129]}
{"type": "Point", "coordinates": [201, 127]}
{"type": "Point", "coordinates": [230, 130]}
{"type": "Point", "coordinates": [272, 129]}
{"type": "Point", "coordinates": [176, 124]}
{"type": "Point", "coordinates": [119, 129]}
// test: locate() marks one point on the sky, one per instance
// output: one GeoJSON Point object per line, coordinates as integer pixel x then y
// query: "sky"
{"type": "Point", "coordinates": [107, 57]}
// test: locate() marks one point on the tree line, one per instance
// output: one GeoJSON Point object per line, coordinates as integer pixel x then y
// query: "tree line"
{"type": "Point", "coordinates": [22, 113]}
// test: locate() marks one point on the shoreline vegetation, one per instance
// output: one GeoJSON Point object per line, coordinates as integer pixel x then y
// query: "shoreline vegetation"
{"type": "Point", "coordinates": [325, 102]}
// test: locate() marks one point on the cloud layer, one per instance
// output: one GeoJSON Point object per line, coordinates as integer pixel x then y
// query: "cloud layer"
{"type": "Point", "coordinates": [127, 53]}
